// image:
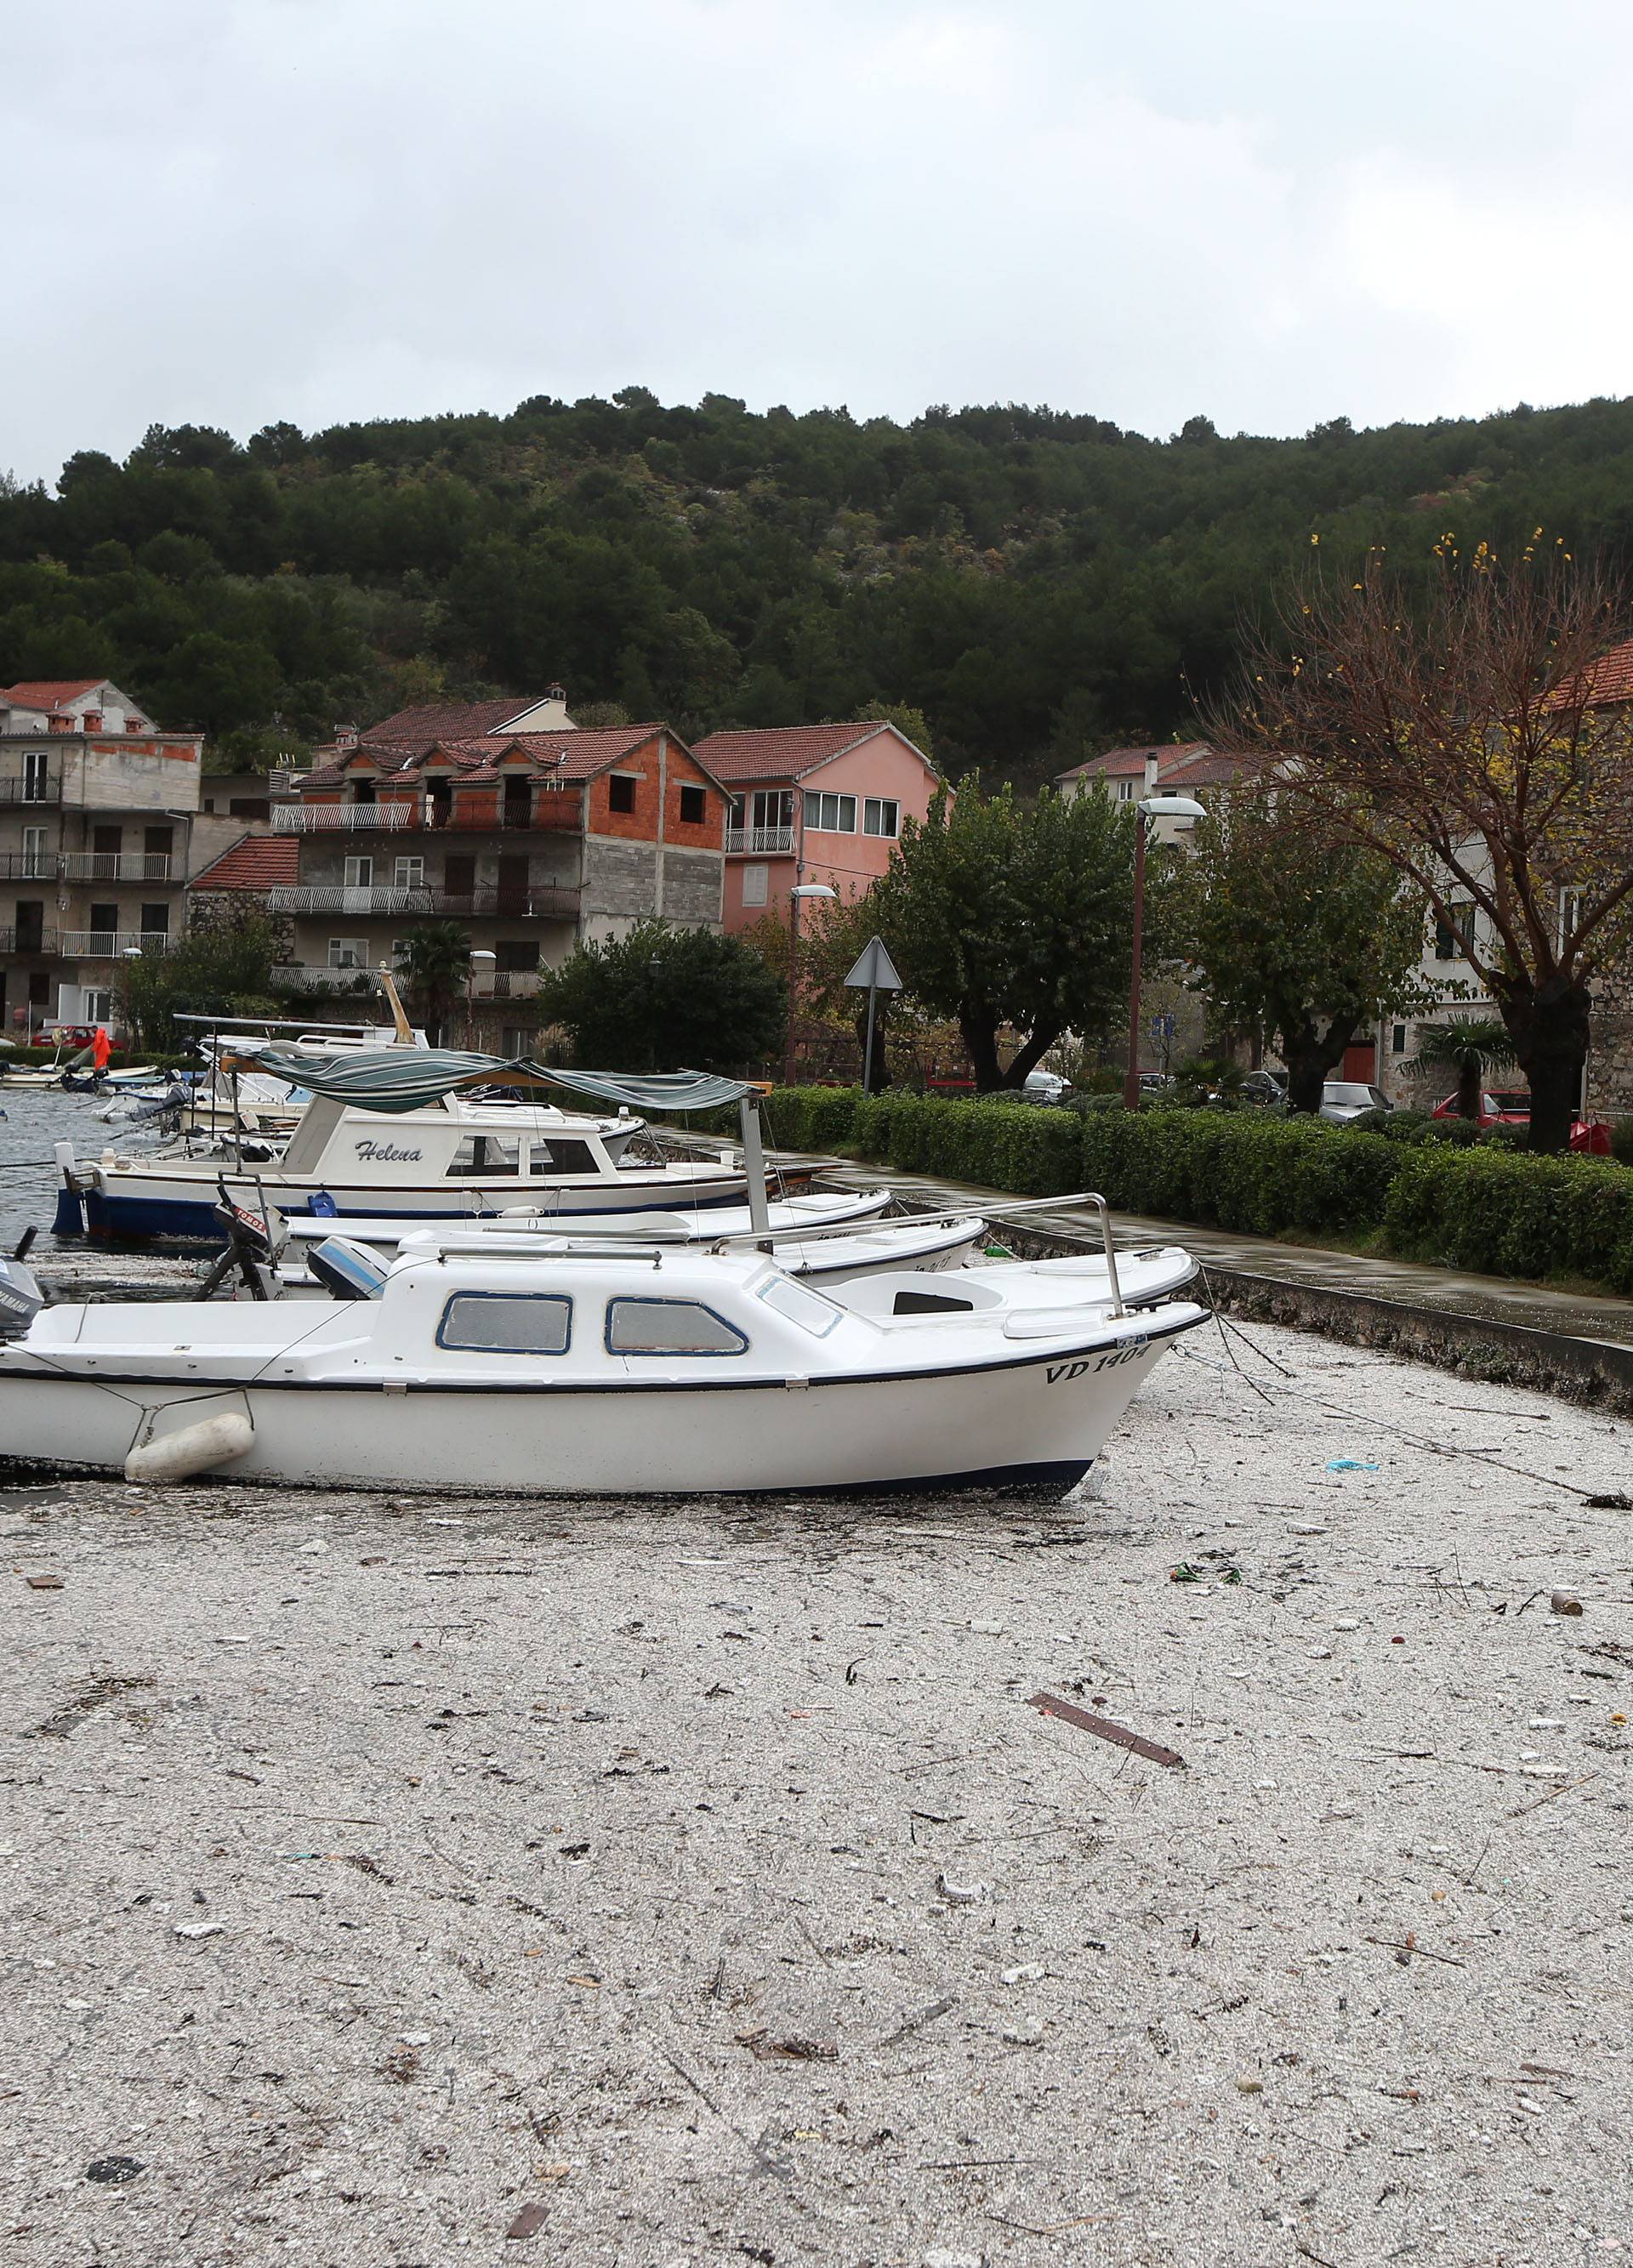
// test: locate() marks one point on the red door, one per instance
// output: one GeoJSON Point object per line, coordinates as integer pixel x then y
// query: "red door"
{"type": "Point", "coordinates": [1361, 1062]}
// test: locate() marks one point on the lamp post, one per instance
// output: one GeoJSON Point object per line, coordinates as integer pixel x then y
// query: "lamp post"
{"type": "Point", "coordinates": [477, 953]}
{"type": "Point", "coordinates": [1151, 806]}
{"type": "Point", "coordinates": [799, 890]}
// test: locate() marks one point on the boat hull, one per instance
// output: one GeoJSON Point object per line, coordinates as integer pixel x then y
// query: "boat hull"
{"type": "Point", "coordinates": [1038, 1419]}
{"type": "Point", "coordinates": [177, 1206]}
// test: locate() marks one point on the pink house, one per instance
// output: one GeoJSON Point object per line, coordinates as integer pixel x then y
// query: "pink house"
{"type": "Point", "coordinates": [813, 803]}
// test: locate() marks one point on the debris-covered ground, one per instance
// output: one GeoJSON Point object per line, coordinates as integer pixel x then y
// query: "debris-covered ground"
{"type": "Point", "coordinates": [396, 1882]}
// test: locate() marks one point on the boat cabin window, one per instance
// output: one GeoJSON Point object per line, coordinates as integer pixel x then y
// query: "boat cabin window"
{"type": "Point", "coordinates": [560, 1156]}
{"type": "Point", "coordinates": [507, 1323]}
{"type": "Point", "coordinates": [800, 1305]}
{"type": "Point", "coordinates": [485, 1156]}
{"type": "Point", "coordinates": [670, 1327]}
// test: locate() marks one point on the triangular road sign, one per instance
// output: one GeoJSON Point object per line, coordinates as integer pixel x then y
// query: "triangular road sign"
{"type": "Point", "coordinates": [876, 970]}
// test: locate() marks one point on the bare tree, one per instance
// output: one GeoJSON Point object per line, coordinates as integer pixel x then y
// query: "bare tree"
{"type": "Point", "coordinates": [1474, 736]}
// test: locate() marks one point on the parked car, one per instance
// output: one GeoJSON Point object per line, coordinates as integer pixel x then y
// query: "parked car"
{"type": "Point", "coordinates": [1344, 1099]}
{"type": "Point", "coordinates": [1046, 1086]}
{"type": "Point", "coordinates": [1511, 1107]}
{"type": "Point", "coordinates": [1266, 1090]}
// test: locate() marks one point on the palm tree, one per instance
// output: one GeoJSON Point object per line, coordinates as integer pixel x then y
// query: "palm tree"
{"type": "Point", "coordinates": [1469, 1046]}
{"type": "Point", "coordinates": [436, 964]}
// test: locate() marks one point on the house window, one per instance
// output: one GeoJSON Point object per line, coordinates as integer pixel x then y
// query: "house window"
{"type": "Point", "coordinates": [360, 874]}
{"type": "Point", "coordinates": [516, 955]}
{"type": "Point", "coordinates": [882, 815]}
{"type": "Point", "coordinates": [507, 1323]}
{"type": "Point", "coordinates": [670, 1327]}
{"type": "Point", "coordinates": [754, 880]}
{"type": "Point", "coordinates": [694, 806]}
{"type": "Point", "coordinates": [1453, 937]}
{"type": "Point", "coordinates": [620, 793]}
{"type": "Point", "coordinates": [411, 873]}
{"type": "Point", "coordinates": [773, 806]}
{"type": "Point", "coordinates": [352, 953]}
{"type": "Point", "coordinates": [1397, 1039]}
{"type": "Point", "coordinates": [99, 1006]}
{"type": "Point", "coordinates": [515, 1040]}
{"type": "Point", "coordinates": [156, 920]}
{"type": "Point", "coordinates": [1124, 790]}
{"type": "Point", "coordinates": [36, 857]}
{"type": "Point", "coordinates": [36, 775]}
{"type": "Point", "coordinates": [831, 814]}
{"type": "Point", "coordinates": [158, 842]}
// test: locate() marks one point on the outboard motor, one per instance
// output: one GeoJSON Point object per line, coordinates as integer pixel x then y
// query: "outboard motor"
{"type": "Point", "coordinates": [346, 1269]}
{"type": "Point", "coordinates": [22, 1297]}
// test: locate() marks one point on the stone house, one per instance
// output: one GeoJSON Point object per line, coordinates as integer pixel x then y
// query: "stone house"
{"type": "Point", "coordinates": [98, 809]}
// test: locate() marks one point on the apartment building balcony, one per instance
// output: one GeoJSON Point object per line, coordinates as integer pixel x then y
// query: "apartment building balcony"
{"type": "Point", "coordinates": [29, 866]}
{"type": "Point", "coordinates": [759, 840]}
{"type": "Point", "coordinates": [343, 818]}
{"type": "Point", "coordinates": [508, 984]}
{"type": "Point", "coordinates": [552, 813]}
{"type": "Point", "coordinates": [119, 867]}
{"type": "Point", "coordinates": [112, 944]}
{"type": "Point", "coordinates": [30, 944]}
{"type": "Point", "coordinates": [541, 901]}
{"type": "Point", "coordinates": [28, 787]}
{"type": "Point", "coordinates": [321, 976]}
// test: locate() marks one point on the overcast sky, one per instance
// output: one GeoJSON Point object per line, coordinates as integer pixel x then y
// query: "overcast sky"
{"type": "Point", "coordinates": [1269, 212]}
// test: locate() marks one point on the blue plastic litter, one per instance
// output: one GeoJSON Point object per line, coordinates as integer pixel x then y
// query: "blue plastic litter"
{"type": "Point", "coordinates": [1349, 1465]}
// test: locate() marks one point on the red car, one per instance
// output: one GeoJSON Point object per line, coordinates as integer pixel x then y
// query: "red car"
{"type": "Point", "coordinates": [1511, 1107]}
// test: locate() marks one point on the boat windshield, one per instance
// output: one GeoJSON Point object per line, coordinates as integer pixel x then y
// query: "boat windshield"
{"type": "Point", "coordinates": [800, 1305]}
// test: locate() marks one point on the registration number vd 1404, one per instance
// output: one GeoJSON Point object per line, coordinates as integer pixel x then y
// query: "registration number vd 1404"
{"type": "Point", "coordinates": [1058, 1373]}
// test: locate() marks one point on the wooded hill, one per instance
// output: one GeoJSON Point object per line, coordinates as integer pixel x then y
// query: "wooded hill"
{"type": "Point", "coordinates": [1037, 584]}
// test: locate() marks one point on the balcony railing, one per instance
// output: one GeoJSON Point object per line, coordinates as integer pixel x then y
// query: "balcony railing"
{"type": "Point", "coordinates": [30, 944]}
{"type": "Point", "coordinates": [507, 984]}
{"type": "Point", "coordinates": [541, 902]}
{"type": "Point", "coordinates": [112, 944]}
{"type": "Point", "coordinates": [760, 838]}
{"type": "Point", "coordinates": [313, 976]}
{"type": "Point", "coordinates": [342, 818]}
{"type": "Point", "coordinates": [317, 977]}
{"type": "Point", "coordinates": [118, 866]}
{"type": "Point", "coordinates": [550, 814]}
{"type": "Point", "coordinates": [16, 787]}
{"type": "Point", "coordinates": [28, 866]}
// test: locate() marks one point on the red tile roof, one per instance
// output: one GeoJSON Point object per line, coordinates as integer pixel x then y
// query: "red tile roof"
{"type": "Point", "coordinates": [448, 720]}
{"type": "Point", "coordinates": [575, 755]}
{"type": "Point", "coordinates": [1609, 679]}
{"type": "Point", "coordinates": [48, 692]}
{"type": "Point", "coordinates": [786, 752]}
{"type": "Point", "coordinates": [256, 862]}
{"type": "Point", "coordinates": [1121, 763]}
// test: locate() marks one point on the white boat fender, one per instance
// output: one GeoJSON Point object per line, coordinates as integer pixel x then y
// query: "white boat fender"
{"type": "Point", "coordinates": [190, 1449]}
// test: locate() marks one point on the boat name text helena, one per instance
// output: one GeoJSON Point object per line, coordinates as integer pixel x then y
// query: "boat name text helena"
{"type": "Point", "coordinates": [386, 1153]}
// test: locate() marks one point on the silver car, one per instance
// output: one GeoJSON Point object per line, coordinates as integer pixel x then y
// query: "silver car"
{"type": "Point", "coordinates": [1344, 1099]}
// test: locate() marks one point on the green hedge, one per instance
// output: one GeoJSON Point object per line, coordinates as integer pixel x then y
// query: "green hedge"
{"type": "Point", "coordinates": [1497, 1212]}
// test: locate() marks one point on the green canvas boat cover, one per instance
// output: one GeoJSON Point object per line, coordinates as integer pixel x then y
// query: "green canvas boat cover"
{"type": "Point", "coordinates": [385, 1079]}
{"type": "Point", "coordinates": [654, 1091]}
{"type": "Point", "coordinates": [406, 1079]}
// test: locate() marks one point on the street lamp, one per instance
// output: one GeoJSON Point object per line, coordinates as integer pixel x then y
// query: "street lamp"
{"type": "Point", "coordinates": [1151, 806]}
{"type": "Point", "coordinates": [799, 890]}
{"type": "Point", "coordinates": [476, 954]}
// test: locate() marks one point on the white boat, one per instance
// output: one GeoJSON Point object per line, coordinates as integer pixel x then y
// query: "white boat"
{"type": "Point", "coordinates": [879, 1247]}
{"type": "Point", "coordinates": [296, 1233]}
{"type": "Point", "coordinates": [599, 1367]}
{"type": "Point", "coordinates": [444, 1157]}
